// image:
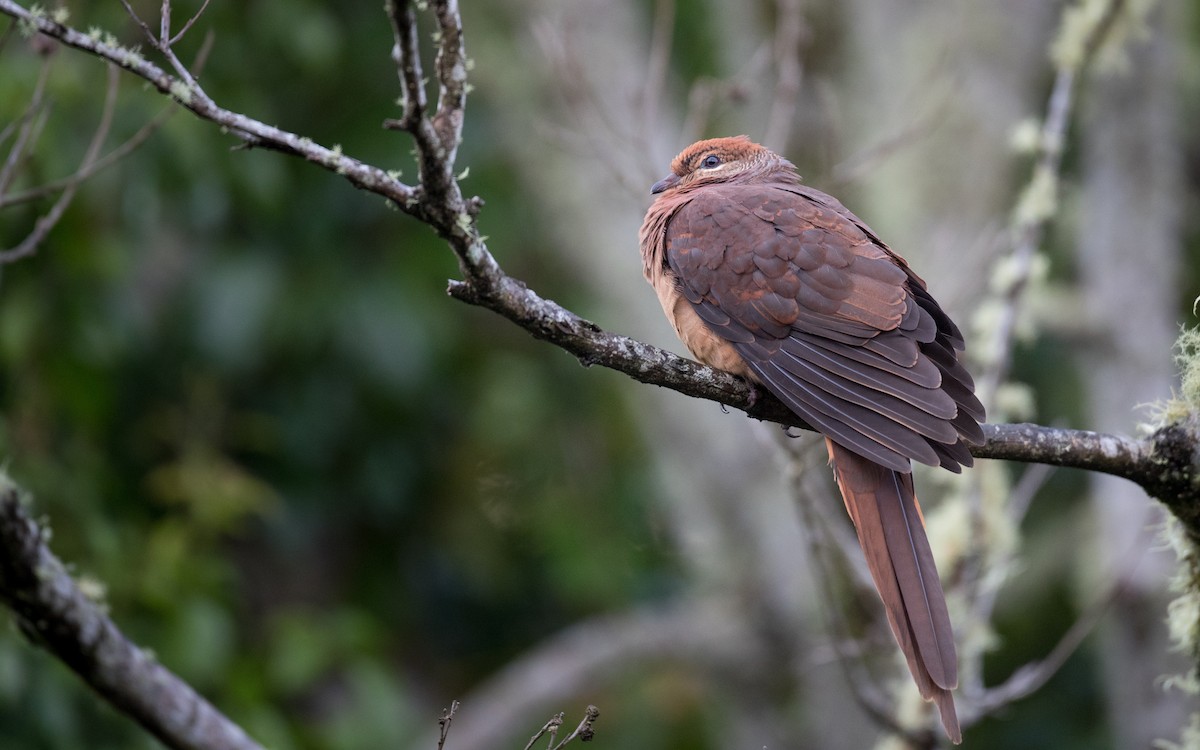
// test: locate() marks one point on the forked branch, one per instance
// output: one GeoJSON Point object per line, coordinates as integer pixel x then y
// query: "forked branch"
{"type": "Point", "coordinates": [54, 610]}
{"type": "Point", "coordinates": [1163, 463]}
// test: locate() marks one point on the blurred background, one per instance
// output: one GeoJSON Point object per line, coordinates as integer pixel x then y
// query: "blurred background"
{"type": "Point", "coordinates": [333, 499]}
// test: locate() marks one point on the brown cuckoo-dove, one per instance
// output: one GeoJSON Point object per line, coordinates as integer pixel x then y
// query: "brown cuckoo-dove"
{"type": "Point", "coordinates": [780, 284]}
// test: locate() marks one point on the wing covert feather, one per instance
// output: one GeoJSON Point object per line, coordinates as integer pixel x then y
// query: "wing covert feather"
{"type": "Point", "coordinates": [828, 319]}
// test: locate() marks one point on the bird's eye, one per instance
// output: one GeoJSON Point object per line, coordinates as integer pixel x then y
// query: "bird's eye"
{"type": "Point", "coordinates": [710, 161]}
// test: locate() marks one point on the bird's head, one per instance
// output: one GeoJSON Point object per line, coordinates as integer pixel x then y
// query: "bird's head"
{"type": "Point", "coordinates": [723, 160]}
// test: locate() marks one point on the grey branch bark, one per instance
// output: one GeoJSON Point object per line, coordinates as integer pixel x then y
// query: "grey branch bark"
{"type": "Point", "coordinates": [1165, 464]}
{"type": "Point", "coordinates": [45, 598]}
{"type": "Point", "coordinates": [53, 609]}
{"type": "Point", "coordinates": [57, 615]}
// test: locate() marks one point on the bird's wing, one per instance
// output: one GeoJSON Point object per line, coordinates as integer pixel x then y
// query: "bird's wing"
{"type": "Point", "coordinates": [829, 320]}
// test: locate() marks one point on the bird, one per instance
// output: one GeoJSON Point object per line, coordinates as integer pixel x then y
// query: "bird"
{"type": "Point", "coordinates": [778, 283]}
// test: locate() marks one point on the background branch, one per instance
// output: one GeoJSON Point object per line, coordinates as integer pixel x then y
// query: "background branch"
{"type": "Point", "coordinates": [1164, 463]}
{"type": "Point", "coordinates": [44, 224]}
{"type": "Point", "coordinates": [58, 616]}
{"type": "Point", "coordinates": [439, 203]}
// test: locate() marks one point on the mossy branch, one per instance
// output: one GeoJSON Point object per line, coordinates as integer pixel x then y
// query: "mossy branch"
{"type": "Point", "coordinates": [1164, 464]}
{"type": "Point", "coordinates": [55, 614]}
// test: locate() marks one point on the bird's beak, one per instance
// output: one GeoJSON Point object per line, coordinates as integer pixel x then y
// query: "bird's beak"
{"type": "Point", "coordinates": [669, 181]}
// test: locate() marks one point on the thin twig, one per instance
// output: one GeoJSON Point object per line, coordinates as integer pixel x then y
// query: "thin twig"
{"type": "Point", "coordinates": [1030, 227]}
{"type": "Point", "coordinates": [436, 138]}
{"type": "Point", "coordinates": [662, 37]}
{"type": "Point", "coordinates": [550, 727]}
{"type": "Point", "coordinates": [112, 157]}
{"type": "Point", "coordinates": [163, 43]}
{"type": "Point", "coordinates": [1027, 237]}
{"type": "Point", "coordinates": [407, 57]}
{"type": "Point", "coordinates": [190, 22]}
{"type": "Point", "coordinates": [138, 19]}
{"type": "Point", "coordinates": [164, 23]}
{"type": "Point", "coordinates": [585, 730]}
{"type": "Point", "coordinates": [1033, 214]}
{"type": "Point", "coordinates": [28, 117]}
{"type": "Point", "coordinates": [444, 723]}
{"type": "Point", "coordinates": [790, 32]}
{"type": "Point", "coordinates": [440, 204]}
{"type": "Point", "coordinates": [1021, 496]}
{"type": "Point", "coordinates": [43, 225]}
{"type": "Point", "coordinates": [1030, 678]}
{"type": "Point", "coordinates": [253, 132]}
{"type": "Point", "coordinates": [89, 166]}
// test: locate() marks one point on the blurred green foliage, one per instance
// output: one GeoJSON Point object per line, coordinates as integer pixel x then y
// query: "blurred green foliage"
{"type": "Point", "coordinates": [323, 492]}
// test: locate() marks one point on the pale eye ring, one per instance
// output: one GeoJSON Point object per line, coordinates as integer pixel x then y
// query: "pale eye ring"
{"type": "Point", "coordinates": [710, 161]}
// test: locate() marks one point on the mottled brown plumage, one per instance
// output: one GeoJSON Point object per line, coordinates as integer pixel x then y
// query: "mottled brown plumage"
{"type": "Point", "coordinates": [779, 283]}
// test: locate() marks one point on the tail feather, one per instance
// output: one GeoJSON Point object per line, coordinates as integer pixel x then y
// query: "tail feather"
{"type": "Point", "coordinates": [890, 529]}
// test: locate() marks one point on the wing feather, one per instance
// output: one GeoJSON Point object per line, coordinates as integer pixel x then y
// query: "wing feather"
{"type": "Point", "coordinates": [828, 319]}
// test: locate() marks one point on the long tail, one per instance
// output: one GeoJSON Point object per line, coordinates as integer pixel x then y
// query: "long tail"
{"type": "Point", "coordinates": [890, 528]}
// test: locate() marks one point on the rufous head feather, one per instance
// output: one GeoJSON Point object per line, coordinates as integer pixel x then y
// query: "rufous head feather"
{"type": "Point", "coordinates": [732, 159]}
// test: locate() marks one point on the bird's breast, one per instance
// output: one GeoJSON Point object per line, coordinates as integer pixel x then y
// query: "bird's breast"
{"type": "Point", "coordinates": [695, 334]}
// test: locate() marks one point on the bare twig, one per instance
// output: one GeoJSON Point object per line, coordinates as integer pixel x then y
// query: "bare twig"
{"type": "Point", "coordinates": [550, 727]}
{"type": "Point", "coordinates": [407, 57]}
{"type": "Point", "coordinates": [63, 620]}
{"type": "Point", "coordinates": [1164, 463]}
{"type": "Point", "coordinates": [251, 131]}
{"type": "Point", "coordinates": [444, 723]}
{"type": "Point", "coordinates": [1021, 496]}
{"type": "Point", "coordinates": [162, 43]}
{"type": "Point", "coordinates": [26, 128]}
{"type": "Point", "coordinates": [43, 225]}
{"type": "Point", "coordinates": [90, 165]}
{"type": "Point", "coordinates": [138, 19]}
{"type": "Point", "coordinates": [112, 157]}
{"type": "Point", "coordinates": [1027, 235]}
{"type": "Point", "coordinates": [437, 137]}
{"type": "Point", "coordinates": [439, 202]}
{"type": "Point", "coordinates": [188, 26]}
{"type": "Point", "coordinates": [1036, 209]}
{"type": "Point", "coordinates": [585, 731]}
{"type": "Point", "coordinates": [595, 127]}
{"type": "Point", "coordinates": [1029, 678]}
{"type": "Point", "coordinates": [790, 32]}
